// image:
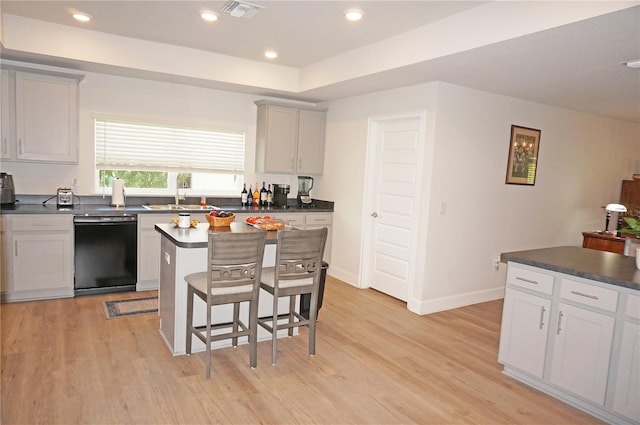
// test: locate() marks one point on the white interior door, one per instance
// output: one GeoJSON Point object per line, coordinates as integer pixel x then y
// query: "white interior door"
{"type": "Point", "coordinates": [393, 186]}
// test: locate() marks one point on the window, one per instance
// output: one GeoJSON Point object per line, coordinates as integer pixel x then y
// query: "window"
{"type": "Point", "coordinates": [157, 159]}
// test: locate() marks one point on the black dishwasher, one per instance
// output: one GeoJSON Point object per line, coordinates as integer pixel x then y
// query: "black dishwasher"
{"type": "Point", "coordinates": [105, 255]}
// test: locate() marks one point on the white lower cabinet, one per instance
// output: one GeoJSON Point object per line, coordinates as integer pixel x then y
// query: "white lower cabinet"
{"type": "Point", "coordinates": [149, 250]}
{"type": "Point", "coordinates": [581, 352]}
{"type": "Point", "coordinates": [569, 337]}
{"type": "Point", "coordinates": [525, 327]}
{"type": "Point", "coordinates": [627, 388]}
{"type": "Point", "coordinates": [41, 257]}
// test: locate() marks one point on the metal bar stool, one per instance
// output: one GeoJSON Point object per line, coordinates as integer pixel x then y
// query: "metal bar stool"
{"type": "Point", "coordinates": [232, 276]}
{"type": "Point", "coordinates": [298, 268]}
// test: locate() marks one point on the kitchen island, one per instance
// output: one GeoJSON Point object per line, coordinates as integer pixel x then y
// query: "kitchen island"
{"type": "Point", "coordinates": [184, 251]}
{"type": "Point", "coordinates": [571, 328]}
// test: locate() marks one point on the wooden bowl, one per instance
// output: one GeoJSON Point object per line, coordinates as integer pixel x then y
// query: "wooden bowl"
{"type": "Point", "coordinates": [220, 221]}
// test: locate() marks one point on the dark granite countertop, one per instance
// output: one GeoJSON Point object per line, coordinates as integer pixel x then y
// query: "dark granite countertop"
{"type": "Point", "coordinates": [197, 237]}
{"type": "Point", "coordinates": [601, 266]}
{"type": "Point", "coordinates": [94, 205]}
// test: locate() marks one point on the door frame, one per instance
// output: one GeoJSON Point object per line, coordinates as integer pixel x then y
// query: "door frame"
{"type": "Point", "coordinates": [369, 191]}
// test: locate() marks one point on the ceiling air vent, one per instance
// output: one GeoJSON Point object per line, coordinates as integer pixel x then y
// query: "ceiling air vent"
{"type": "Point", "coordinates": [241, 9]}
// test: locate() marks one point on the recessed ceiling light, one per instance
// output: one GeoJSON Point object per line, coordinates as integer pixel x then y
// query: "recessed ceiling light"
{"type": "Point", "coordinates": [270, 54]}
{"type": "Point", "coordinates": [81, 16]}
{"type": "Point", "coordinates": [353, 14]}
{"type": "Point", "coordinates": [633, 64]}
{"type": "Point", "coordinates": [208, 15]}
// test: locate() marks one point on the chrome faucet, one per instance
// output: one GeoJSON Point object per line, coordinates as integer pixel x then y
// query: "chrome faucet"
{"type": "Point", "coordinates": [178, 197]}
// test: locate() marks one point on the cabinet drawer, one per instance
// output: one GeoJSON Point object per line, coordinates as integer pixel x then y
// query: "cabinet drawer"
{"type": "Point", "coordinates": [294, 220]}
{"type": "Point", "coordinates": [530, 279]}
{"type": "Point", "coordinates": [41, 223]}
{"type": "Point", "coordinates": [148, 221]}
{"type": "Point", "coordinates": [591, 295]}
{"type": "Point", "coordinates": [319, 219]}
{"type": "Point", "coordinates": [633, 306]}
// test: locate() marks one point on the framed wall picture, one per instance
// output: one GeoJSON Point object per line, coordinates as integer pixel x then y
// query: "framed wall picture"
{"type": "Point", "coordinates": [523, 155]}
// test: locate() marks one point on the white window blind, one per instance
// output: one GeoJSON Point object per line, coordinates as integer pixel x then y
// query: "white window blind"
{"type": "Point", "coordinates": [123, 145]}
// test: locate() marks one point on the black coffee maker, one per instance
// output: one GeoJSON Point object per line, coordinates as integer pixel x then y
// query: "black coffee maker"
{"type": "Point", "coordinates": [280, 192]}
{"type": "Point", "coordinates": [7, 191]}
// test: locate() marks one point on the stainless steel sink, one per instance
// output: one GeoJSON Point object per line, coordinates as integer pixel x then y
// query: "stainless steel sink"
{"type": "Point", "coordinates": [173, 207]}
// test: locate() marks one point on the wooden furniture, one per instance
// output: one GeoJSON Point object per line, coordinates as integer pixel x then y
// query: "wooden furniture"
{"type": "Point", "coordinates": [630, 195]}
{"type": "Point", "coordinates": [290, 139]}
{"type": "Point", "coordinates": [603, 242]}
{"type": "Point", "coordinates": [296, 272]}
{"type": "Point", "coordinates": [563, 309]}
{"type": "Point", "coordinates": [234, 267]}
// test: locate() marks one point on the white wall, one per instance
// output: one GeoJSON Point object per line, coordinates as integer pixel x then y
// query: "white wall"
{"type": "Point", "coordinates": [131, 97]}
{"type": "Point", "coordinates": [582, 160]}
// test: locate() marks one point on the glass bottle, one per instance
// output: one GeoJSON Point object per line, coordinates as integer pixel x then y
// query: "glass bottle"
{"type": "Point", "coordinates": [269, 197]}
{"type": "Point", "coordinates": [256, 196]}
{"type": "Point", "coordinates": [263, 195]}
{"type": "Point", "coordinates": [243, 195]}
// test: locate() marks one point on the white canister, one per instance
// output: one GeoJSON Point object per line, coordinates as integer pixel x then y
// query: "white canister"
{"type": "Point", "coordinates": [184, 220]}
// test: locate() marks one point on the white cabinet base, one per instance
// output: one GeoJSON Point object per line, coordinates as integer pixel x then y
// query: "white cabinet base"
{"type": "Point", "coordinates": [565, 397]}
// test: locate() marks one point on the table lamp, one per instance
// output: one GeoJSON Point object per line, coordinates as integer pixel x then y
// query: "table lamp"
{"type": "Point", "coordinates": [619, 208]}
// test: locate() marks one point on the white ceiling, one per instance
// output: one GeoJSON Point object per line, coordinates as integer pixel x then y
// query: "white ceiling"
{"type": "Point", "coordinates": [574, 65]}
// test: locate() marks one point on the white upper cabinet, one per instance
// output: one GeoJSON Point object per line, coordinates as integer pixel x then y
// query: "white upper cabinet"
{"type": "Point", "coordinates": [290, 139]}
{"type": "Point", "coordinates": [7, 95]}
{"type": "Point", "coordinates": [39, 116]}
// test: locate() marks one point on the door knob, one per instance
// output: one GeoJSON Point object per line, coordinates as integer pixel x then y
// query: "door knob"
{"type": "Point", "coordinates": [374, 214]}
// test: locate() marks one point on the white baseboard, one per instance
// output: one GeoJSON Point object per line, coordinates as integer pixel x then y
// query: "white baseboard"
{"type": "Point", "coordinates": [455, 301]}
{"type": "Point", "coordinates": [350, 278]}
{"type": "Point", "coordinates": [147, 286]}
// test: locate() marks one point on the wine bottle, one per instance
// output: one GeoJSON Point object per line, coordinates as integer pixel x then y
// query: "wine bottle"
{"type": "Point", "coordinates": [243, 195]}
{"type": "Point", "coordinates": [256, 196]}
{"type": "Point", "coordinates": [263, 195]}
{"type": "Point", "coordinates": [269, 197]}
{"type": "Point", "coordinates": [249, 197]}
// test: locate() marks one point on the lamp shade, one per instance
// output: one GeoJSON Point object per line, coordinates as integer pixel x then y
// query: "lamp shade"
{"type": "Point", "coordinates": [615, 208]}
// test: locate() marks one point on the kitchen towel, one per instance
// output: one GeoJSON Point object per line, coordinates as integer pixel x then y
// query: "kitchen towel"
{"type": "Point", "coordinates": [117, 193]}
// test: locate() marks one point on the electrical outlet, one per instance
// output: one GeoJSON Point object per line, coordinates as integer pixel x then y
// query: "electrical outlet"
{"type": "Point", "coordinates": [496, 263]}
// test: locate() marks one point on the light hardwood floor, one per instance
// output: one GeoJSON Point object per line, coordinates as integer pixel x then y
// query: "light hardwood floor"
{"type": "Point", "coordinates": [376, 363]}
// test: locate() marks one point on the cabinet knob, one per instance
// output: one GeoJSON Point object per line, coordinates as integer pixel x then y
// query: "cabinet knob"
{"type": "Point", "coordinates": [374, 214]}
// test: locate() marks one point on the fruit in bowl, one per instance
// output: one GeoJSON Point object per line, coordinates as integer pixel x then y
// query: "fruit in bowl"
{"type": "Point", "coordinates": [220, 218]}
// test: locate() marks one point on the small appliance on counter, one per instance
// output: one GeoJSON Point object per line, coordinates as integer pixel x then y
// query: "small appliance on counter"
{"type": "Point", "coordinates": [7, 190]}
{"type": "Point", "coordinates": [280, 192]}
{"type": "Point", "coordinates": [305, 184]}
{"type": "Point", "coordinates": [64, 198]}
{"type": "Point", "coordinates": [117, 193]}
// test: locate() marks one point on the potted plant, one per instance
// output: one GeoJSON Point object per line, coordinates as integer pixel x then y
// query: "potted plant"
{"type": "Point", "coordinates": [632, 225]}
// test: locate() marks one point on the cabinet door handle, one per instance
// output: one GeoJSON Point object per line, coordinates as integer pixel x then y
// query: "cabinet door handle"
{"type": "Point", "coordinates": [559, 323]}
{"type": "Point", "coordinates": [300, 164]}
{"type": "Point", "coordinates": [542, 310]}
{"type": "Point", "coordinates": [20, 149]}
{"type": "Point", "coordinates": [293, 164]}
{"type": "Point", "coordinates": [4, 145]}
{"type": "Point", "coordinates": [15, 249]}
{"type": "Point", "coordinates": [535, 282]}
{"type": "Point", "coordinates": [582, 294]}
